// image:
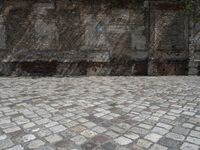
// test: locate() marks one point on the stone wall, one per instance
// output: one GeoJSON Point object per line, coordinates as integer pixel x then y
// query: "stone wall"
{"type": "Point", "coordinates": [168, 43]}
{"type": "Point", "coordinates": [194, 46]}
{"type": "Point", "coordinates": [94, 37]}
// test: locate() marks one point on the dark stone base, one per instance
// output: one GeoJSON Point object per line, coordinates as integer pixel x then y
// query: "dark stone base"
{"type": "Point", "coordinates": [170, 67]}
{"type": "Point", "coordinates": [82, 68]}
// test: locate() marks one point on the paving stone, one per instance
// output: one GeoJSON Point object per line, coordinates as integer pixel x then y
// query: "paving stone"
{"type": "Point", "coordinates": [79, 140]}
{"type": "Point", "coordinates": [132, 136]}
{"type": "Point", "coordinates": [175, 136]}
{"type": "Point", "coordinates": [188, 125]}
{"type": "Point", "coordinates": [157, 117]}
{"type": "Point", "coordinates": [123, 140]}
{"type": "Point", "coordinates": [144, 143]}
{"type": "Point", "coordinates": [35, 144]}
{"type": "Point", "coordinates": [117, 129]}
{"type": "Point", "coordinates": [53, 138]}
{"type": "Point", "coordinates": [68, 134]}
{"type": "Point", "coordinates": [3, 137]}
{"type": "Point", "coordinates": [57, 129]}
{"type": "Point", "coordinates": [146, 126]}
{"type": "Point", "coordinates": [66, 144]}
{"type": "Point", "coordinates": [42, 121]}
{"type": "Point", "coordinates": [88, 133]}
{"type": "Point", "coordinates": [170, 143]}
{"type": "Point", "coordinates": [153, 137]}
{"type": "Point", "coordinates": [12, 129]}
{"type": "Point", "coordinates": [160, 131]}
{"type": "Point", "coordinates": [82, 120]}
{"type": "Point", "coordinates": [122, 148]}
{"type": "Point", "coordinates": [158, 147]}
{"type": "Point", "coordinates": [193, 140]}
{"type": "Point", "coordinates": [195, 134]}
{"type": "Point", "coordinates": [17, 147]}
{"type": "Point", "coordinates": [136, 147]}
{"type": "Point", "coordinates": [6, 144]}
{"type": "Point", "coordinates": [42, 133]}
{"type": "Point", "coordinates": [71, 124]}
{"type": "Point", "coordinates": [112, 134]}
{"type": "Point", "coordinates": [188, 146]}
{"type": "Point", "coordinates": [139, 131]}
{"type": "Point", "coordinates": [100, 139]}
{"type": "Point", "coordinates": [188, 113]}
{"type": "Point", "coordinates": [7, 125]}
{"type": "Point", "coordinates": [109, 146]}
{"type": "Point", "coordinates": [89, 146]}
{"type": "Point", "coordinates": [45, 148]}
{"type": "Point", "coordinates": [22, 121]}
{"type": "Point", "coordinates": [99, 129]}
{"type": "Point", "coordinates": [28, 125]}
{"type": "Point", "coordinates": [181, 130]}
{"type": "Point", "coordinates": [69, 115]}
{"type": "Point", "coordinates": [124, 126]}
{"type": "Point", "coordinates": [89, 124]}
{"type": "Point", "coordinates": [197, 128]}
{"type": "Point", "coordinates": [78, 128]}
{"type": "Point", "coordinates": [51, 124]}
{"type": "Point", "coordinates": [28, 137]}
{"type": "Point", "coordinates": [169, 117]}
{"type": "Point", "coordinates": [35, 130]}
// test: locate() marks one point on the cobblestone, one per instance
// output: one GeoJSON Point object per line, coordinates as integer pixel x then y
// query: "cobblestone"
{"type": "Point", "coordinates": [123, 141]}
{"type": "Point", "coordinates": [153, 137]}
{"type": "Point", "coordinates": [158, 147]}
{"type": "Point", "coordinates": [53, 138]}
{"type": "Point", "coordinates": [175, 136]}
{"type": "Point", "coordinates": [79, 140]}
{"type": "Point", "coordinates": [35, 144]}
{"type": "Point", "coordinates": [28, 137]}
{"type": "Point", "coordinates": [188, 146]}
{"type": "Point", "coordinates": [144, 143]}
{"type": "Point", "coordinates": [17, 147]}
{"type": "Point", "coordinates": [6, 144]}
{"type": "Point", "coordinates": [100, 113]}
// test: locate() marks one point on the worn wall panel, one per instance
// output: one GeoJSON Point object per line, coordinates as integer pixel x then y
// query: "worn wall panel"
{"type": "Point", "coordinates": [64, 31]}
{"type": "Point", "coordinates": [3, 35]}
{"type": "Point", "coordinates": [168, 37]}
{"type": "Point", "coordinates": [97, 37]}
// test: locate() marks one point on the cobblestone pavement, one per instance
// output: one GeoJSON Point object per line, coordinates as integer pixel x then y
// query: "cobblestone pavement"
{"type": "Point", "coordinates": [100, 113]}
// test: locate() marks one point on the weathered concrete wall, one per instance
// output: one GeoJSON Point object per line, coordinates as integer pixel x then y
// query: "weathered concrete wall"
{"type": "Point", "coordinates": [168, 43]}
{"type": "Point", "coordinates": [194, 45]}
{"type": "Point", "coordinates": [80, 37]}
{"type": "Point", "coordinates": [85, 37]}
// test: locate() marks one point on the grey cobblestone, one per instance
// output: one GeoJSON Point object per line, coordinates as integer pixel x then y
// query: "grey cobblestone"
{"type": "Point", "coordinates": [153, 137]}
{"type": "Point", "coordinates": [188, 146]}
{"type": "Point", "coordinates": [35, 144]}
{"type": "Point", "coordinates": [123, 140]}
{"type": "Point", "coordinates": [193, 140]}
{"type": "Point", "coordinates": [158, 147]}
{"type": "Point", "coordinates": [108, 113]}
{"type": "Point", "coordinates": [17, 147]}
{"type": "Point", "coordinates": [6, 144]}
{"type": "Point", "coordinates": [175, 136]}
{"type": "Point", "coordinates": [144, 143]}
{"type": "Point", "coordinates": [53, 138]}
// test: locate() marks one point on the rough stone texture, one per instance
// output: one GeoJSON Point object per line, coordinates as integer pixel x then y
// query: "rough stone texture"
{"type": "Point", "coordinates": [47, 34]}
{"type": "Point", "coordinates": [94, 37]}
{"type": "Point", "coordinates": [61, 113]}
{"type": "Point", "coordinates": [194, 45]}
{"type": "Point", "coordinates": [168, 40]}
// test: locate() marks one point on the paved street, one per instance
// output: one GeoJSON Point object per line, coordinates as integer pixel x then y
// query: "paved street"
{"type": "Point", "coordinates": [100, 113]}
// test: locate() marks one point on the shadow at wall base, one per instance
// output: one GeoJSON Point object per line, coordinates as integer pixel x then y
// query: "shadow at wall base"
{"type": "Point", "coordinates": [84, 68]}
{"type": "Point", "coordinates": [169, 67]}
